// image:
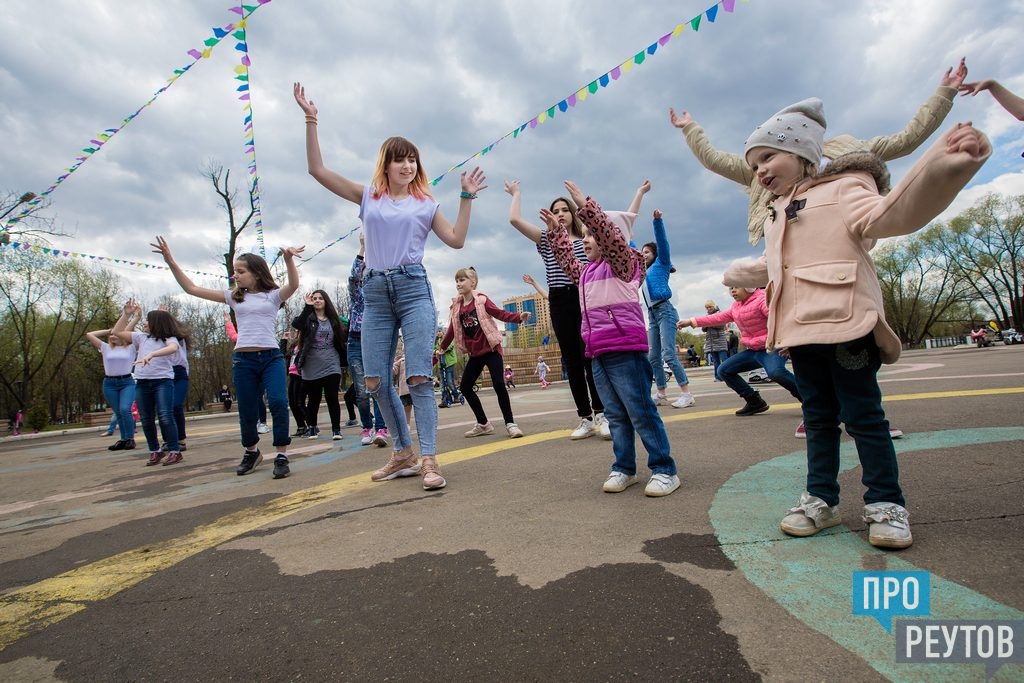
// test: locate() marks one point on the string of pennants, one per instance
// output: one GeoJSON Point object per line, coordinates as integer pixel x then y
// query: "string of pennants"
{"type": "Point", "coordinates": [238, 32]}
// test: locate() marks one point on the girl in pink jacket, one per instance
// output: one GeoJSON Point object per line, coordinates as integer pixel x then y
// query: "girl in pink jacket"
{"type": "Point", "coordinates": [825, 303]}
{"type": "Point", "coordinates": [750, 313]}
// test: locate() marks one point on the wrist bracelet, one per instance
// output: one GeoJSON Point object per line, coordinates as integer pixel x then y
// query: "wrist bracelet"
{"type": "Point", "coordinates": [467, 195]}
{"type": "Point", "coordinates": [311, 119]}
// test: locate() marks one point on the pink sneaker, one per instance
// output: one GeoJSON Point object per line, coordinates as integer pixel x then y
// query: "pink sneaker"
{"type": "Point", "coordinates": [366, 437]}
{"type": "Point", "coordinates": [432, 478]}
{"type": "Point", "coordinates": [398, 466]}
{"type": "Point", "coordinates": [381, 438]}
{"type": "Point", "coordinates": [801, 432]}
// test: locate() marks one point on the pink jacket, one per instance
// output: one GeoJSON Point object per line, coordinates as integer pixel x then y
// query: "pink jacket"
{"type": "Point", "coordinates": [822, 283]}
{"type": "Point", "coordinates": [751, 316]}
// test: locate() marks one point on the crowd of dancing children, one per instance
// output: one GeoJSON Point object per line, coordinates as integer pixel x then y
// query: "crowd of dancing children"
{"type": "Point", "coordinates": [819, 205]}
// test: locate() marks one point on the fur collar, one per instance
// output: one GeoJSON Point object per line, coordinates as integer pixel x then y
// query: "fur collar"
{"type": "Point", "coordinates": [858, 162]}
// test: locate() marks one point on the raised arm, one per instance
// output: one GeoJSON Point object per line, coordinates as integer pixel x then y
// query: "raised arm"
{"type": "Point", "coordinates": [624, 260]}
{"type": "Point", "coordinates": [926, 121]}
{"type": "Point", "coordinates": [333, 181]}
{"type": "Point", "coordinates": [454, 234]}
{"type": "Point", "coordinates": [731, 166]}
{"type": "Point", "coordinates": [515, 213]}
{"type": "Point", "coordinates": [161, 247]}
{"type": "Point", "coordinates": [561, 247]}
{"type": "Point", "coordinates": [644, 188]}
{"type": "Point", "coordinates": [289, 254]}
{"type": "Point", "coordinates": [661, 240]}
{"type": "Point", "coordinates": [1011, 103]}
{"type": "Point", "coordinates": [528, 279]}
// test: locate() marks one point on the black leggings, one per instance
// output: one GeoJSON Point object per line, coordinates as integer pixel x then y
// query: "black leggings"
{"type": "Point", "coordinates": [474, 368]}
{"type": "Point", "coordinates": [566, 319]}
{"type": "Point", "coordinates": [295, 400]}
{"type": "Point", "coordinates": [328, 386]}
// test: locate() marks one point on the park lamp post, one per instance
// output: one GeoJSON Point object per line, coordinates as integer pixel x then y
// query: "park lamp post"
{"type": "Point", "coordinates": [5, 235]}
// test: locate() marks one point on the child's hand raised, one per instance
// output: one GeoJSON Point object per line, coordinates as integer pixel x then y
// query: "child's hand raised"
{"type": "Point", "coordinates": [524, 316]}
{"type": "Point", "coordinates": [968, 139]}
{"type": "Point", "coordinates": [576, 194]}
{"type": "Point", "coordinates": [291, 252]}
{"type": "Point", "coordinates": [679, 121]}
{"type": "Point", "coordinates": [161, 247]}
{"type": "Point", "coordinates": [512, 187]}
{"type": "Point", "coordinates": [548, 218]}
{"type": "Point", "coordinates": [308, 298]}
{"type": "Point", "coordinates": [528, 279]}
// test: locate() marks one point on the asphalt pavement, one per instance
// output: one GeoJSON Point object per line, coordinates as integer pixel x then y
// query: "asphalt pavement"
{"type": "Point", "coordinates": [521, 569]}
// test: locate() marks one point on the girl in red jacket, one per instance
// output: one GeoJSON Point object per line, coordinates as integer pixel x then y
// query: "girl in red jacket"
{"type": "Point", "coordinates": [472, 328]}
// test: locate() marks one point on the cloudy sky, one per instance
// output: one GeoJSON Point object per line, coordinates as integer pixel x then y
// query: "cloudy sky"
{"type": "Point", "coordinates": [453, 77]}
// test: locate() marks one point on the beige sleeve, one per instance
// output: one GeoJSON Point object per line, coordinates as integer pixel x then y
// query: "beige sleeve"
{"type": "Point", "coordinates": [925, 122]}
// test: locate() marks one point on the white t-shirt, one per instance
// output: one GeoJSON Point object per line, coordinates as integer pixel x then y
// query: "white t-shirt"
{"type": "Point", "coordinates": [117, 360]}
{"type": "Point", "coordinates": [257, 318]}
{"type": "Point", "coordinates": [159, 367]}
{"type": "Point", "coordinates": [180, 357]}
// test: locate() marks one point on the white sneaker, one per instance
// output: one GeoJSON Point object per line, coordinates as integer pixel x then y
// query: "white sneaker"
{"type": "Point", "coordinates": [684, 401]}
{"type": "Point", "coordinates": [514, 432]}
{"type": "Point", "coordinates": [888, 525]}
{"type": "Point", "coordinates": [262, 427]}
{"type": "Point", "coordinates": [895, 432]}
{"type": "Point", "coordinates": [810, 516]}
{"type": "Point", "coordinates": [617, 482]}
{"type": "Point", "coordinates": [480, 430]}
{"type": "Point", "coordinates": [661, 485]}
{"type": "Point", "coordinates": [366, 437]}
{"type": "Point", "coordinates": [585, 429]}
{"type": "Point", "coordinates": [660, 399]}
{"type": "Point", "coordinates": [603, 427]}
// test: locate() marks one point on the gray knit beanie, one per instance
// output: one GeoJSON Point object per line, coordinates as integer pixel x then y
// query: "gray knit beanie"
{"type": "Point", "coordinates": [798, 129]}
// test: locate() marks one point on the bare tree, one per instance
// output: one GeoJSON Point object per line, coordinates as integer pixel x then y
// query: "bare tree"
{"type": "Point", "coordinates": [221, 180]}
{"type": "Point", "coordinates": [918, 289]}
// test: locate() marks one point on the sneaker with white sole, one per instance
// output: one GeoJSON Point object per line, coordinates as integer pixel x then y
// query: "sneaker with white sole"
{"type": "Point", "coordinates": [810, 516]}
{"type": "Point", "coordinates": [432, 478]}
{"type": "Point", "coordinates": [381, 437]}
{"type": "Point", "coordinates": [397, 466]}
{"type": "Point", "coordinates": [366, 437]}
{"type": "Point", "coordinates": [617, 482]}
{"type": "Point", "coordinates": [888, 525]}
{"type": "Point", "coordinates": [336, 435]}
{"type": "Point", "coordinates": [480, 430]}
{"type": "Point", "coordinates": [585, 429]}
{"type": "Point", "coordinates": [262, 427]}
{"type": "Point", "coordinates": [685, 400]}
{"type": "Point", "coordinates": [661, 485]}
{"type": "Point", "coordinates": [895, 432]}
{"type": "Point", "coordinates": [801, 431]}
{"type": "Point", "coordinates": [660, 399]}
{"type": "Point", "coordinates": [514, 432]}
{"type": "Point", "coordinates": [603, 428]}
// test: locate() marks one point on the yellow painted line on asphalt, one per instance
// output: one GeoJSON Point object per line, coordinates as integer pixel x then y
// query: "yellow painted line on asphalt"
{"type": "Point", "coordinates": [35, 607]}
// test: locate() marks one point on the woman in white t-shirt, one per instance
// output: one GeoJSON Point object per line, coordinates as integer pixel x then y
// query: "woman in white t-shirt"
{"type": "Point", "coordinates": [398, 214]}
{"type": "Point", "coordinates": [118, 383]}
{"type": "Point", "coordinates": [257, 363]}
{"type": "Point", "coordinates": [154, 381]}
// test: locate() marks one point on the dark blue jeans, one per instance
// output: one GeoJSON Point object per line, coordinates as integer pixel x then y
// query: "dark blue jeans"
{"type": "Point", "coordinates": [120, 394]}
{"type": "Point", "coordinates": [180, 396]}
{"type": "Point", "coordinates": [839, 384]}
{"type": "Point", "coordinates": [624, 380]}
{"type": "Point", "coordinates": [253, 372]}
{"type": "Point", "coordinates": [748, 359]}
{"type": "Point", "coordinates": [155, 400]}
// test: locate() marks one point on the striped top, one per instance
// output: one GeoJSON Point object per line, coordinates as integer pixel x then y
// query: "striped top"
{"type": "Point", "coordinates": [553, 272]}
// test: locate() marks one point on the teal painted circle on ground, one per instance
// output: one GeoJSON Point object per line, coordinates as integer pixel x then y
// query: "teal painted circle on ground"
{"type": "Point", "coordinates": [812, 578]}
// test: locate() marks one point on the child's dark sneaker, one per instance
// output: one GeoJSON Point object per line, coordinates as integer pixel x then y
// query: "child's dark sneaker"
{"type": "Point", "coordinates": [249, 461]}
{"type": "Point", "coordinates": [810, 516]}
{"type": "Point", "coordinates": [888, 525]}
{"type": "Point", "coordinates": [173, 458]}
{"type": "Point", "coordinates": [281, 469]}
{"type": "Point", "coordinates": [755, 404]}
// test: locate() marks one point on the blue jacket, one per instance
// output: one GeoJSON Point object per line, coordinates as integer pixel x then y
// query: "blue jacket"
{"type": "Point", "coordinates": [658, 272]}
